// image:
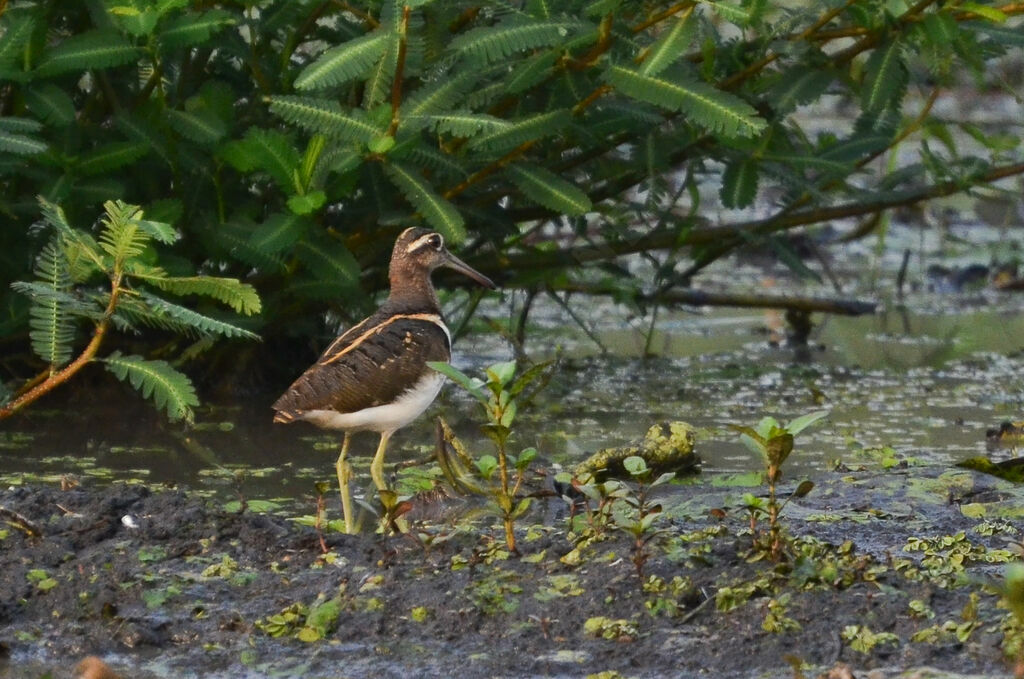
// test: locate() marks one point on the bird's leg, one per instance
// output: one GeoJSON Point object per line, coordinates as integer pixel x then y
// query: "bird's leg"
{"type": "Point", "coordinates": [388, 497]}
{"type": "Point", "coordinates": [344, 476]}
{"type": "Point", "coordinates": [377, 466]}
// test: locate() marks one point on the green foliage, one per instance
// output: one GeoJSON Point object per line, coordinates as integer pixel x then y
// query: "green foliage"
{"type": "Point", "coordinates": [63, 297]}
{"type": "Point", "coordinates": [269, 131]}
{"type": "Point", "coordinates": [774, 443]}
{"type": "Point", "coordinates": [499, 395]}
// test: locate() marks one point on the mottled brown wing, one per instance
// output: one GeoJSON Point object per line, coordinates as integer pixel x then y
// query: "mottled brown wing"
{"type": "Point", "coordinates": [371, 364]}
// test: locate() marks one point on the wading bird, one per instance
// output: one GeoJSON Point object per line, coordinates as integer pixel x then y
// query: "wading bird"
{"type": "Point", "coordinates": [375, 376]}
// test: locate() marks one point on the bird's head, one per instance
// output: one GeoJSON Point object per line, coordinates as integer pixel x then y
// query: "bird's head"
{"type": "Point", "coordinates": [422, 250]}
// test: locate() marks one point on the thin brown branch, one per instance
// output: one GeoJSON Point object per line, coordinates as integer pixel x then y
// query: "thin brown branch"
{"type": "Point", "coordinates": [753, 228]}
{"type": "Point", "coordinates": [691, 297]}
{"type": "Point", "coordinates": [661, 16]}
{"type": "Point", "coordinates": [396, 83]}
{"type": "Point", "coordinates": [62, 376]}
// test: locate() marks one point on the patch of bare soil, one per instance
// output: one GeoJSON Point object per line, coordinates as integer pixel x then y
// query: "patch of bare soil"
{"type": "Point", "coordinates": [168, 584]}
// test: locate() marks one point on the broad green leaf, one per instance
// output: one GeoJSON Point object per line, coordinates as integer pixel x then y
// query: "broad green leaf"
{"type": "Point", "coordinates": [502, 373]}
{"type": "Point", "coordinates": [169, 389]}
{"type": "Point", "coordinates": [460, 378]}
{"type": "Point", "coordinates": [798, 424]}
{"type": "Point", "coordinates": [548, 189]}
{"type": "Point", "coordinates": [307, 203]}
{"type": "Point", "coordinates": [635, 465]}
{"type": "Point", "coordinates": [437, 211]}
{"type": "Point", "coordinates": [345, 62]}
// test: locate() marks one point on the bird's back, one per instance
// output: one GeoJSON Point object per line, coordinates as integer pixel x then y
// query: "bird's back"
{"type": "Point", "coordinates": [371, 364]}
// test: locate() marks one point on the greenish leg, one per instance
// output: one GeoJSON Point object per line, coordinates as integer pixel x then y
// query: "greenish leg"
{"type": "Point", "coordinates": [388, 497]}
{"type": "Point", "coordinates": [377, 466]}
{"type": "Point", "coordinates": [344, 476]}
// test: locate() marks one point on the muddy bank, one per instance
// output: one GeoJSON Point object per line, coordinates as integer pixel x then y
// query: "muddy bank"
{"type": "Point", "coordinates": [166, 583]}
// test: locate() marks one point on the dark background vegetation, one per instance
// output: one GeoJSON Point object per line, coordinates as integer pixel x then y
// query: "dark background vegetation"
{"type": "Point", "coordinates": [289, 141]}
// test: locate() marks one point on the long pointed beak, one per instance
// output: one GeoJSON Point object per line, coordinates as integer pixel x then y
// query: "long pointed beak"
{"type": "Point", "coordinates": [453, 262]}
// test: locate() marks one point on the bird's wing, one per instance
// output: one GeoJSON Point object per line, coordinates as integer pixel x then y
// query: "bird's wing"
{"type": "Point", "coordinates": [370, 365]}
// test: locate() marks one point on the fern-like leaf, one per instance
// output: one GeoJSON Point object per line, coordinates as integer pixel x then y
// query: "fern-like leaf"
{"type": "Point", "coordinates": [494, 43]}
{"type": "Point", "coordinates": [201, 127]}
{"type": "Point", "coordinates": [241, 297]}
{"type": "Point", "coordinates": [51, 103]}
{"type": "Point", "coordinates": [798, 86]}
{"type": "Point", "coordinates": [437, 211]}
{"type": "Point", "coordinates": [169, 389]}
{"type": "Point", "coordinates": [377, 87]}
{"type": "Point", "coordinates": [82, 252]}
{"type": "Point", "coordinates": [438, 95]}
{"type": "Point", "coordinates": [885, 77]}
{"type": "Point", "coordinates": [267, 150]}
{"type": "Point", "coordinates": [719, 112]}
{"type": "Point", "coordinates": [548, 189]}
{"type": "Point", "coordinates": [521, 131]}
{"type": "Point", "coordinates": [739, 183]}
{"type": "Point", "coordinates": [121, 237]}
{"type": "Point", "coordinates": [345, 62]}
{"type": "Point", "coordinates": [110, 157]}
{"type": "Point", "coordinates": [278, 232]}
{"type": "Point", "coordinates": [186, 320]}
{"type": "Point", "coordinates": [330, 261]}
{"type": "Point", "coordinates": [20, 144]}
{"type": "Point", "coordinates": [325, 117]}
{"type": "Point", "coordinates": [672, 45]}
{"type": "Point", "coordinates": [461, 123]}
{"type": "Point", "coordinates": [52, 331]}
{"type": "Point", "coordinates": [102, 48]}
{"type": "Point", "coordinates": [17, 30]}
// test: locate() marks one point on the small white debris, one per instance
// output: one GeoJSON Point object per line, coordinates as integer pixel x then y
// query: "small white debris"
{"type": "Point", "coordinates": [128, 521]}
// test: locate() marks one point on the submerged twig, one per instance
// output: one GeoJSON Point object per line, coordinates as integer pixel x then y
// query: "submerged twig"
{"type": "Point", "coordinates": [19, 521]}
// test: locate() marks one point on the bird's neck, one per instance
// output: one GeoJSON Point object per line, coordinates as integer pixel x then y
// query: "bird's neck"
{"type": "Point", "coordinates": [412, 290]}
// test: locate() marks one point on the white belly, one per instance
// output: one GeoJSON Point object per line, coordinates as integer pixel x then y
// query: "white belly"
{"type": "Point", "coordinates": [385, 418]}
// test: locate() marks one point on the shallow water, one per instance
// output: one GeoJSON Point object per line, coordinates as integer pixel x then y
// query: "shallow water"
{"type": "Point", "coordinates": [900, 385]}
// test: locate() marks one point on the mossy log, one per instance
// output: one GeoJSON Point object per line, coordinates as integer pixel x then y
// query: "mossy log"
{"type": "Point", "coordinates": [667, 447]}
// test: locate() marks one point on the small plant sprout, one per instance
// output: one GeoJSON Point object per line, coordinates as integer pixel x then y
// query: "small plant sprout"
{"type": "Point", "coordinates": [499, 395]}
{"type": "Point", "coordinates": [1011, 597]}
{"type": "Point", "coordinates": [774, 443]}
{"type": "Point", "coordinates": [639, 523]}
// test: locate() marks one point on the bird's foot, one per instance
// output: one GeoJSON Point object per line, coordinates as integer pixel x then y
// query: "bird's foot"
{"type": "Point", "coordinates": [394, 508]}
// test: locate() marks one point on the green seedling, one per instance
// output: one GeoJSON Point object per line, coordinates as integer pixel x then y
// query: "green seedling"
{"type": "Point", "coordinates": [1011, 597]}
{"type": "Point", "coordinates": [500, 476]}
{"type": "Point", "coordinates": [619, 505]}
{"type": "Point", "coordinates": [774, 443]}
{"type": "Point", "coordinates": [640, 520]}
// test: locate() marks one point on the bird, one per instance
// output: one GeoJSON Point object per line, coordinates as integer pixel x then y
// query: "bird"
{"type": "Point", "coordinates": [375, 377]}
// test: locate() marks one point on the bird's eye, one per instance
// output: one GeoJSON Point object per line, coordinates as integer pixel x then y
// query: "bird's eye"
{"type": "Point", "coordinates": [436, 241]}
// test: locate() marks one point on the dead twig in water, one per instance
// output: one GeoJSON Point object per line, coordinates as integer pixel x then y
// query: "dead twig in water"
{"type": "Point", "coordinates": [17, 520]}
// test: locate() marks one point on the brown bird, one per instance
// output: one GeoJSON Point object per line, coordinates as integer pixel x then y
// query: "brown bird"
{"type": "Point", "coordinates": [375, 376]}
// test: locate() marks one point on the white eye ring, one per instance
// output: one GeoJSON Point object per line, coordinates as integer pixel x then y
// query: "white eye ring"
{"type": "Point", "coordinates": [436, 241]}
